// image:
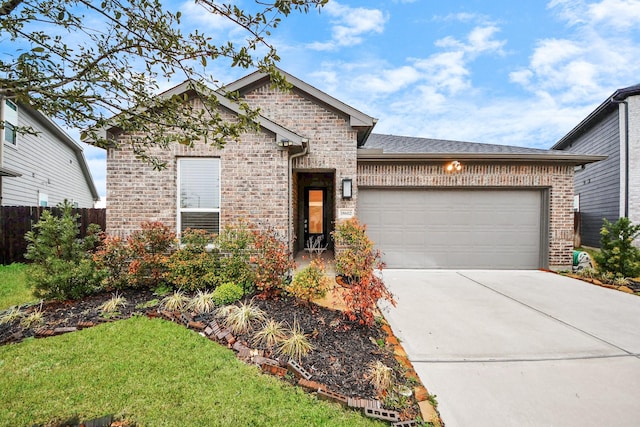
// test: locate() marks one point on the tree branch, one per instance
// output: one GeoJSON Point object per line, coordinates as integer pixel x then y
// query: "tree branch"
{"type": "Point", "coordinates": [9, 6]}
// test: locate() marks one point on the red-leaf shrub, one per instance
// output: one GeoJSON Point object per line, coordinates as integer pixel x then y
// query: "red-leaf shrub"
{"type": "Point", "coordinates": [357, 261]}
{"type": "Point", "coordinates": [149, 248]}
{"type": "Point", "coordinates": [273, 262]}
{"type": "Point", "coordinates": [113, 256]}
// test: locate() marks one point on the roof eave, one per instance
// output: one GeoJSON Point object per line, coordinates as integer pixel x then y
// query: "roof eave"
{"type": "Point", "coordinates": [574, 159]}
{"type": "Point", "coordinates": [608, 105]}
{"type": "Point", "coordinates": [186, 86]}
{"type": "Point", "coordinates": [357, 119]}
{"type": "Point", "coordinates": [53, 127]}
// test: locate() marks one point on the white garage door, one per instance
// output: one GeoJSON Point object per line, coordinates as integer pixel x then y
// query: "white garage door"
{"type": "Point", "coordinates": [484, 229]}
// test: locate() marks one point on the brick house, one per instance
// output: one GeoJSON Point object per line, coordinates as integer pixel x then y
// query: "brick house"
{"type": "Point", "coordinates": [427, 203]}
{"type": "Point", "coordinates": [611, 188]}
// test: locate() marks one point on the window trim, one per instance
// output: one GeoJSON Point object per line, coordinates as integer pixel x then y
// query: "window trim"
{"type": "Point", "coordinates": [10, 120]}
{"type": "Point", "coordinates": [179, 209]}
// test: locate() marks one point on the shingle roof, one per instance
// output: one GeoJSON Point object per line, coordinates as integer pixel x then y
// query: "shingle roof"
{"type": "Point", "coordinates": [393, 148]}
{"type": "Point", "coordinates": [413, 145]}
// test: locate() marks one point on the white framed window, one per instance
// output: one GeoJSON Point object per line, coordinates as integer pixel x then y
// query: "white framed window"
{"type": "Point", "coordinates": [198, 194]}
{"type": "Point", "coordinates": [10, 122]}
{"type": "Point", "coordinates": [43, 199]}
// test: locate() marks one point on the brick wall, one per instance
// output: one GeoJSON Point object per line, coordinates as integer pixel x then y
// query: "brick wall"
{"type": "Point", "coordinates": [254, 184]}
{"type": "Point", "coordinates": [558, 179]}
{"type": "Point", "coordinates": [254, 172]}
{"type": "Point", "coordinates": [332, 141]}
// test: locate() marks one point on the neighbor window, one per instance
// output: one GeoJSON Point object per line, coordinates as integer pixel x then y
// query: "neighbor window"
{"type": "Point", "coordinates": [199, 194]}
{"type": "Point", "coordinates": [43, 199]}
{"type": "Point", "coordinates": [11, 122]}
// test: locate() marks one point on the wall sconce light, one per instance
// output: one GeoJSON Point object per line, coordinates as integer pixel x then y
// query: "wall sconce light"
{"type": "Point", "coordinates": [284, 143]}
{"type": "Point", "coordinates": [454, 166]}
{"type": "Point", "coordinates": [347, 188]}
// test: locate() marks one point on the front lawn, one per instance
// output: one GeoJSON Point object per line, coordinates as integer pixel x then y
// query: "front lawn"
{"type": "Point", "coordinates": [154, 373]}
{"type": "Point", "coordinates": [13, 286]}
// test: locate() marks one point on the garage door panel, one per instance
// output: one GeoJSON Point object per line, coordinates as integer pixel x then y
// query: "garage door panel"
{"type": "Point", "coordinates": [454, 228]}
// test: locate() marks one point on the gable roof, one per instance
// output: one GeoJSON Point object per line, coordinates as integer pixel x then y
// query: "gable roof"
{"type": "Point", "coordinates": [62, 136]}
{"type": "Point", "coordinates": [609, 105]}
{"type": "Point", "coordinates": [281, 133]}
{"type": "Point", "coordinates": [405, 148]}
{"type": "Point", "coordinates": [360, 121]}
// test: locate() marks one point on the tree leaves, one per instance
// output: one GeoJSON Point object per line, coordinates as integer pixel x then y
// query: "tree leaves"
{"type": "Point", "coordinates": [105, 74]}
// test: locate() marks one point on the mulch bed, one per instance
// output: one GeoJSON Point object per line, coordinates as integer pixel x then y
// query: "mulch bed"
{"type": "Point", "coordinates": [342, 354]}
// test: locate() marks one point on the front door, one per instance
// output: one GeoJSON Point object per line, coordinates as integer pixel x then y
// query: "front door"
{"type": "Point", "coordinates": [315, 218]}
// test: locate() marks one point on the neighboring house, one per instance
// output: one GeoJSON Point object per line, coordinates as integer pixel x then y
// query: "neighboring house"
{"type": "Point", "coordinates": [427, 203]}
{"type": "Point", "coordinates": [611, 188]}
{"type": "Point", "coordinates": [42, 169]}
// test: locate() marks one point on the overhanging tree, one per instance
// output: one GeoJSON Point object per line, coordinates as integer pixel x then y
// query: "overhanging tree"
{"type": "Point", "coordinates": [92, 64]}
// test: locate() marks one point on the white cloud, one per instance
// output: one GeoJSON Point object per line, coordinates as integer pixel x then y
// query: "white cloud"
{"type": "Point", "coordinates": [616, 13]}
{"type": "Point", "coordinates": [197, 16]}
{"type": "Point", "coordinates": [594, 58]}
{"type": "Point", "coordinates": [350, 25]}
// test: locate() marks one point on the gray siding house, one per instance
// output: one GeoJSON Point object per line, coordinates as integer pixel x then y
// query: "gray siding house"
{"type": "Point", "coordinates": [610, 188]}
{"type": "Point", "coordinates": [42, 169]}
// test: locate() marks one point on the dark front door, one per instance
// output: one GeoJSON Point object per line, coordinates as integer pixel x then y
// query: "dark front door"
{"type": "Point", "coordinates": [315, 218]}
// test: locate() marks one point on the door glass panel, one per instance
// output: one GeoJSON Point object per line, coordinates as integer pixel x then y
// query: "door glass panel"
{"type": "Point", "coordinates": [316, 224]}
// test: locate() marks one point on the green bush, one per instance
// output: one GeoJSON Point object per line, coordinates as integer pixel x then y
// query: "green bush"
{"type": "Point", "coordinates": [194, 266]}
{"type": "Point", "coordinates": [62, 264]}
{"type": "Point", "coordinates": [311, 282]}
{"type": "Point", "coordinates": [235, 243]}
{"type": "Point", "coordinates": [227, 293]}
{"type": "Point", "coordinates": [617, 253]}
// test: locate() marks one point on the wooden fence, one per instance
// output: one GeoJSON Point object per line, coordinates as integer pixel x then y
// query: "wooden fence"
{"type": "Point", "coordinates": [16, 221]}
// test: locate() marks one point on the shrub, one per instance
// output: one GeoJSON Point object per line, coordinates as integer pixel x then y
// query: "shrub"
{"type": "Point", "coordinates": [202, 302]}
{"type": "Point", "coordinates": [193, 266]}
{"type": "Point", "coordinates": [113, 304]}
{"type": "Point", "coordinates": [63, 266]}
{"type": "Point", "coordinates": [227, 293]}
{"type": "Point", "coordinates": [296, 344]}
{"type": "Point", "coordinates": [311, 282]}
{"type": "Point", "coordinates": [273, 262]}
{"type": "Point", "coordinates": [113, 257]}
{"type": "Point", "coordinates": [149, 248]}
{"type": "Point", "coordinates": [380, 375]}
{"type": "Point", "coordinates": [270, 335]}
{"type": "Point", "coordinates": [176, 301]}
{"type": "Point", "coordinates": [236, 244]}
{"type": "Point", "coordinates": [617, 253]}
{"type": "Point", "coordinates": [240, 319]}
{"type": "Point", "coordinates": [356, 262]}
{"type": "Point", "coordinates": [33, 320]}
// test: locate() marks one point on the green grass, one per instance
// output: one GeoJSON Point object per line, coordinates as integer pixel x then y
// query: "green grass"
{"type": "Point", "coordinates": [154, 373]}
{"type": "Point", "coordinates": [13, 286]}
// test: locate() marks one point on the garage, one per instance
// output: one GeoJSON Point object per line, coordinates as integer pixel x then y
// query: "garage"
{"type": "Point", "coordinates": [457, 228]}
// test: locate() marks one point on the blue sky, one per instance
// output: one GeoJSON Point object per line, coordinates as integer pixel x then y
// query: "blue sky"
{"type": "Point", "coordinates": [502, 72]}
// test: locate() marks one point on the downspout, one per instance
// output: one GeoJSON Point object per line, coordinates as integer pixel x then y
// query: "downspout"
{"type": "Point", "coordinates": [304, 152]}
{"type": "Point", "coordinates": [626, 154]}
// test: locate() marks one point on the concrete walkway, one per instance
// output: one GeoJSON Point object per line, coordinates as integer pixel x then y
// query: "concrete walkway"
{"type": "Point", "coordinates": [520, 348]}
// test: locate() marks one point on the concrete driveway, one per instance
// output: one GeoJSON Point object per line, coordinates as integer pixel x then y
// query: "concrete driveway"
{"type": "Point", "coordinates": [520, 348]}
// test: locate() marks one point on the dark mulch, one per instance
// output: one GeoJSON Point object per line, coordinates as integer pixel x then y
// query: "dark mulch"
{"type": "Point", "coordinates": [343, 349]}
